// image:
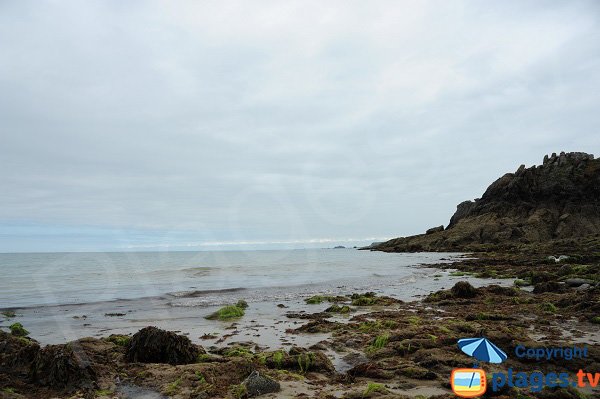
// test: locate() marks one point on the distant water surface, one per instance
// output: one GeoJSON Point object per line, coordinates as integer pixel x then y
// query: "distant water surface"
{"type": "Point", "coordinates": [197, 278]}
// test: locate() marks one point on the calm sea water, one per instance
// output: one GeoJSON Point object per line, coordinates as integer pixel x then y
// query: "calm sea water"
{"type": "Point", "coordinates": [196, 278]}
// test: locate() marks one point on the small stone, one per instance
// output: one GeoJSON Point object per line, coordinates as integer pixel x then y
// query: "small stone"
{"type": "Point", "coordinates": [583, 287]}
{"type": "Point", "coordinates": [257, 384]}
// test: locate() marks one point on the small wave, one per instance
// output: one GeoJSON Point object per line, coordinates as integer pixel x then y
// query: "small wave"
{"type": "Point", "coordinates": [197, 293]}
{"type": "Point", "coordinates": [198, 271]}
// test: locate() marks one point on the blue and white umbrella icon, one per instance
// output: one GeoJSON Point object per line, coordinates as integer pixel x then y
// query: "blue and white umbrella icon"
{"type": "Point", "coordinates": [482, 349]}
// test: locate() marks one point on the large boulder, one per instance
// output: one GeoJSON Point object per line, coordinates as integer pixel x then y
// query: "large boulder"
{"type": "Point", "coordinates": [153, 345]}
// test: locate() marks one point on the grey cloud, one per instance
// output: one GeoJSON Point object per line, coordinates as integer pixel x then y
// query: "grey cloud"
{"type": "Point", "coordinates": [283, 120]}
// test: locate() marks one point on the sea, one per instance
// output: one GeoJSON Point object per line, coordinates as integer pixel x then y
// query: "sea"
{"type": "Point", "coordinates": [197, 278]}
{"type": "Point", "coordinates": [61, 297]}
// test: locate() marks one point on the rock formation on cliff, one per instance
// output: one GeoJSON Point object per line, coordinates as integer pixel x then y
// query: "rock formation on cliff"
{"type": "Point", "coordinates": [556, 202]}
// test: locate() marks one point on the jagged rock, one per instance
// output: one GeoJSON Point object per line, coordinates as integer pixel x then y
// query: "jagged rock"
{"type": "Point", "coordinates": [257, 384]}
{"type": "Point", "coordinates": [62, 366]}
{"type": "Point", "coordinates": [463, 289]}
{"type": "Point", "coordinates": [558, 200]}
{"type": "Point", "coordinates": [153, 345]}
{"type": "Point", "coordinates": [435, 230]}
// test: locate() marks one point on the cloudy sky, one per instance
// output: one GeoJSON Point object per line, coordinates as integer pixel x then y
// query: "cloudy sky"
{"type": "Point", "coordinates": [226, 124]}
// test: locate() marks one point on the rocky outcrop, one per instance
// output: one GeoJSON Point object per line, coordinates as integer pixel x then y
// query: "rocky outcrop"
{"type": "Point", "coordinates": [153, 345]}
{"type": "Point", "coordinates": [435, 230]}
{"type": "Point", "coordinates": [558, 200]}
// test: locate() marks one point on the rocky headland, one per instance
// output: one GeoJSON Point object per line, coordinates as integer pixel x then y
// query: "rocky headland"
{"type": "Point", "coordinates": [547, 207]}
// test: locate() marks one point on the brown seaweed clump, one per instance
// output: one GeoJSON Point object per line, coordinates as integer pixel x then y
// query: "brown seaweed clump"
{"type": "Point", "coordinates": [463, 289]}
{"type": "Point", "coordinates": [153, 345]}
{"type": "Point", "coordinates": [61, 366]}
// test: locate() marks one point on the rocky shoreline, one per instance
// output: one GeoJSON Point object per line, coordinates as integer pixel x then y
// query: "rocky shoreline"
{"type": "Point", "coordinates": [390, 348]}
{"type": "Point", "coordinates": [536, 230]}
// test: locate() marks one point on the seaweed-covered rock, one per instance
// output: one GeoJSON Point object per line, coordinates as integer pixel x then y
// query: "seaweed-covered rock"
{"type": "Point", "coordinates": [499, 290]}
{"type": "Point", "coordinates": [335, 308]}
{"type": "Point", "coordinates": [549, 286]}
{"type": "Point", "coordinates": [16, 353]}
{"type": "Point", "coordinates": [300, 359]}
{"type": "Point", "coordinates": [370, 370]}
{"type": "Point", "coordinates": [463, 289]}
{"type": "Point", "coordinates": [62, 366]}
{"type": "Point", "coordinates": [257, 384]}
{"type": "Point", "coordinates": [153, 345]}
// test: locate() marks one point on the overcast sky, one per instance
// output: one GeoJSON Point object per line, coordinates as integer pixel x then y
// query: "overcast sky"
{"type": "Point", "coordinates": [202, 124]}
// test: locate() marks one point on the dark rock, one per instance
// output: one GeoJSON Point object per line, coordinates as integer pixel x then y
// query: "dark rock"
{"type": "Point", "coordinates": [583, 287]}
{"type": "Point", "coordinates": [319, 346]}
{"type": "Point", "coordinates": [576, 282]}
{"type": "Point", "coordinates": [153, 345]}
{"type": "Point", "coordinates": [463, 289]}
{"type": "Point", "coordinates": [499, 290]}
{"type": "Point", "coordinates": [370, 370]}
{"type": "Point", "coordinates": [435, 230]}
{"type": "Point", "coordinates": [62, 366]}
{"type": "Point", "coordinates": [549, 286]}
{"type": "Point", "coordinates": [565, 270]}
{"type": "Point", "coordinates": [16, 353]}
{"type": "Point", "coordinates": [540, 277]}
{"type": "Point", "coordinates": [257, 384]}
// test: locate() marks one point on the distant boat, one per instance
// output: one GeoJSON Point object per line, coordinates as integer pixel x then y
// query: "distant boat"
{"type": "Point", "coordinates": [339, 247]}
